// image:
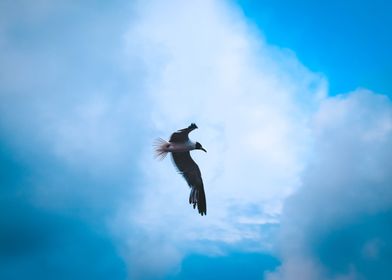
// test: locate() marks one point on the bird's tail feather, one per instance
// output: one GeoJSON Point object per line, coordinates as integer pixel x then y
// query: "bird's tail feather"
{"type": "Point", "coordinates": [160, 148]}
{"type": "Point", "coordinates": [198, 197]}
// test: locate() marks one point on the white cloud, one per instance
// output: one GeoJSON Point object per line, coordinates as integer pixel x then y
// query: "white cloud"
{"type": "Point", "coordinates": [205, 64]}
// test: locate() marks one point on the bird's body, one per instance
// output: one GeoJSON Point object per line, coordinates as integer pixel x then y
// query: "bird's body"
{"type": "Point", "coordinates": [179, 146]}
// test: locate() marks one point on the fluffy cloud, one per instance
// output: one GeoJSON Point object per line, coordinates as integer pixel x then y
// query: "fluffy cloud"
{"type": "Point", "coordinates": [251, 102]}
{"type": "Point", "coordinates": [337, 226]}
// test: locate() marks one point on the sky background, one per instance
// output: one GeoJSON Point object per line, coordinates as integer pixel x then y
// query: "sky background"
{"type": "Point", "coordinates": [293, 103]}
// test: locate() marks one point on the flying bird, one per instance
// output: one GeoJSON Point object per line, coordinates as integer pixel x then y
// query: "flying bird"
{"type": "Point", "coordinates": [179, 146]}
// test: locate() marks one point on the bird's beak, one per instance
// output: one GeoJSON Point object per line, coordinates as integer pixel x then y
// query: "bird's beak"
{"type": "Point", "coordinates": [204, 150]}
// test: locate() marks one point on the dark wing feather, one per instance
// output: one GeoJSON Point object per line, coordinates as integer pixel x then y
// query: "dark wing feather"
{"type": "Point", "coordinates": [182, 134]}
{"type": "Point", "coordinates": [191, 172]}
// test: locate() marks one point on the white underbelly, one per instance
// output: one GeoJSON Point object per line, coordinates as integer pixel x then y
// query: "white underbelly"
{"type": "Point", "coordinates": [176, 147]}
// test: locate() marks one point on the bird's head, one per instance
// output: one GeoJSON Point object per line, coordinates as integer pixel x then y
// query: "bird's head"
{"type": "Point", "coordinates": [198, 146]}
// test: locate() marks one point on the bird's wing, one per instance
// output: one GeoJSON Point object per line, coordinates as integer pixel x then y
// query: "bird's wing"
{"type": "Point", "coordinates": [182, 134]}
{"type": "Point", "coordinates": [191, 172]}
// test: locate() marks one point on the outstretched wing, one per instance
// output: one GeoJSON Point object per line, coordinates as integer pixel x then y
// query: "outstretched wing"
{"type": "Point", "coordinates": [191, 172]}
{"type": "Point", "coordinates": [182, 134]}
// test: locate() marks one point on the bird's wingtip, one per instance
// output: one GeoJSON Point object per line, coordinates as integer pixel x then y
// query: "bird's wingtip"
{"type": "Point", "coordinates": [193, 125]}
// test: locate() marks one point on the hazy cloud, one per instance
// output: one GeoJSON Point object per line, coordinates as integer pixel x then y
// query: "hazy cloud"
{"type": "Point", "coordinates": [337, 226]}
{"type": "Point", "coordinates": [67, 116]}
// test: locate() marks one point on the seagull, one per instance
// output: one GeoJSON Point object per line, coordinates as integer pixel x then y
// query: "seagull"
{"type": "Point", "coordinates": [179, 146]}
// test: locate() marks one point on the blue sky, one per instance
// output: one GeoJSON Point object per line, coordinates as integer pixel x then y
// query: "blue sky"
{"type": "Point", "coordinates": [293, 105]}
{"type": "Point", "coordinates": [348, 41]}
